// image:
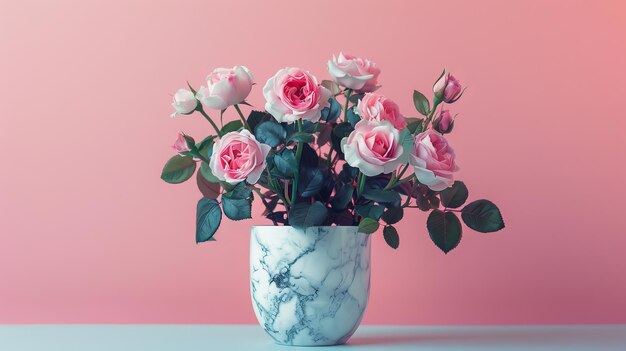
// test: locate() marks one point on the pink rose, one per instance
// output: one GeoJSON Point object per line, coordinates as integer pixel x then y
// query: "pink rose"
{"type": "Point", "coordinates": [373, 148]}
{"type": "Point", "coordinates": [226, 87]}
{"type": "Point", "coordinates": [375, 107]}
{"type": "Point", "coordinates": [360, 75]}
{"type": "Point", "coordinates": [292, 94]}
{"type": "Point", "coordinates": [238, 156]}
{"type": "Point", "coordinates": [433, 160]}
{"type": "Point", "coordinates": [447, 89]}
{"type": "Point", "coordinates": [180, 145]}
{"type": "Point", "coordinates": [443, 122]}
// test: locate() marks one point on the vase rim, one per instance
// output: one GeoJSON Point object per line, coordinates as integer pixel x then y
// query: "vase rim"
{"type": "Point", "coordinates": [315, 226]}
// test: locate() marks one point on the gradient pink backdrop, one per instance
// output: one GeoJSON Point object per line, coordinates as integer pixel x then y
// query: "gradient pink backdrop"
{"type": "Point", "coordinates": [90, 234]}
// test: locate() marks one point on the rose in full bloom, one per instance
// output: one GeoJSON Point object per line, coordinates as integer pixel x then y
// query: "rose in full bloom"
{"type": "Point", "coordinates": [433, 160]}
{"type": "Point", "coordinates": [374, 148]}
{"type": "Point", "coordinates": [180, 145]}
{"type": "Point", "coordinates": [238, 156]}
{"type": "Point", "coordinates": [226, 87]}
{"type": "Point", "coordinates": [184, 102]}
{"type": "Point", "coordinates": [448, 89]}
{"type": "Point", "coordinates": [292, 94]}
{"type": "Point", "coordinates": [358, 74]}
{"type": "Point", "coordinates": [375, 107]}
{"type": "Point", "coordinates": [443, 122]}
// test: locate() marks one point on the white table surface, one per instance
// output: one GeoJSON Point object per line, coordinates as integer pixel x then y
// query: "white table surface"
{"type": "Point", "coordinates": [252, 337]}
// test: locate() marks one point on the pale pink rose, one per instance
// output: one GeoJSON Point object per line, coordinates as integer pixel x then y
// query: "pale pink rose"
{"type": "Point", "coordinates": [184, 102]}
{"type": "Point", "coordinates": [226, 87]}
{"type": "Point", "coordinates": [292, 94]}
{"type": "Point", "coordinates": [237, 157]}
{"type": "Point", "coordinates": [375, 107]}
{"type": "Point", "coordinates": [358, 74]}
{"type": "Point", "coordinates": [180, 145]}
{"type": "Point", "coordinates": [443, 122]}
{"type": "Point", "coordinates": [433, 160]}
{"type": "Point", "coordinates": [373, 148]}
{"type": "Point", "coordinates": [447, 89]}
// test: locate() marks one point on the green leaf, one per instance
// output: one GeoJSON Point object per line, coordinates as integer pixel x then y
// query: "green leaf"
{"type": "Point", "coordinates": [304, 214]}
{"type": "Point", "coordinates": [370, 210]}
{"type": "Point", "coordinates": [238, 192]}
{"type": "Point", "coordinates": [256, 117]}
{"type": "Point", "coordinates": [285, 163]}
{"type": "Point", "coordinates": [208, 219]}
{"type": "Point", "coordinates": [393, 215]}
{"type": "Point", "coordinates": [300, 137]}
{"type": "Point", "coordinates": [444, 229]}
{"type": "Point", "coordinates": [207, 173]}
{"type": "Point", "coordinates": [209, 189]}
{"type": "Point", "coordinates": [332, 112]}
{"type": "Point", "coordinates": [368, 225]}
{"type": "Point", "coordinates": [379, 195]}
{"type": "Point", "coordinates": [178, 169]}
{"type": "Point", "coordinates": [324, 132]}
{"type": "Point", "coordinates": [414, 125]}
{"type": "Point", "coordinates": [340, 131]}
{"type": "Point", "coordinates": [343, 197]}
{"type": "Point", "coordinates": [332, 86]}
{"type": "Point", "coordinates": [310, 181]}
{"type": "Point", "coordinates": [237, 209]}
{"type": "Point", "coordinates": [232, 127]}
{"type": "Point", "coordinates": [482, 216]}
{"type": "Point", "coordinates": [454, 196]}
{"type": "Point", "coordinates": [354, 98]}
{"type": "Point", "coordinates": [205, 144]}
{"type": "Point", "coordinates": [422, 105]}
{"type": "Point", "coordinates": [406, 140]}
{"type": "Point", "coordinates": [271, 133]}
{"type": "Point", "coordinates": [391, 236]}
{"type": "Point", "coordinates": [352, 117]}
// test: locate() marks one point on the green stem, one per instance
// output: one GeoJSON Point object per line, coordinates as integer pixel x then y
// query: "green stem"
{"type": "Point", "coordinates": [392, 181]}
{"type": "Point", "coordinates": [296, 175]}
{"type": "Point", "coordinates": [408, 197]}
{"type": "Point", "coordinates": [276, 189]}
{"type": "Point", "coordinates": [243, 119]}
{"type": "Point", "coordinates": [201, 110]}
{"type": "Point", "coordinates": [329, 159]}
{"type": "Point", "coordinates": [436, 103]}
{"type": "Point", "coordinates": [361, 184]}
{"type": "Point", "coordinates": [402, 171]}
{"type": "Point", "coordinates": [345, 109]}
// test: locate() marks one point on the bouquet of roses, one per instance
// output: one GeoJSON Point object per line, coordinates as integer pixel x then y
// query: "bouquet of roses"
{"type": "Point", "coordinates": [326, 153]}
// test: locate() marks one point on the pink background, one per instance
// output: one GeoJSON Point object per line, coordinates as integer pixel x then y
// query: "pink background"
{"type": "Point", "coordinates": [90, 234]}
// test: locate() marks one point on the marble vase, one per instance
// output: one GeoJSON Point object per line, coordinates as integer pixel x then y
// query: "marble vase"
{"type": "Point", "coordinates": [309, 286]}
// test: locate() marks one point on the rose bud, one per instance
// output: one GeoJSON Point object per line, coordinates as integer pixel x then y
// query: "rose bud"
{"type": "Point", "coordinates": [180, 145]}
{"type": "Point", "coordinates": [226, 87]}
{"type": "Point", "coordinates": [358, 74]}
{"type": "Point", "coordinates": [374, 148]}
{"type": "Point", "coordinates": [447, 89]}
{"type": "Point", "coordinates": [237, 157]}
{"type": "Point", "coordinates": [293, 94]}
{"type": "Point", "coordinates": [444, 122]}
{"type": "Point", "coordinates": [184, 102]}
{"type": "Point", "coordinates": [433, 160]}
{"type": "Point", "coordinates": [375, 107]}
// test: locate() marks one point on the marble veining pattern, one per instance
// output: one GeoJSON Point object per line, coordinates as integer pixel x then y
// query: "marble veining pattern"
{"type": "Point", "coordinates": [309, 287]}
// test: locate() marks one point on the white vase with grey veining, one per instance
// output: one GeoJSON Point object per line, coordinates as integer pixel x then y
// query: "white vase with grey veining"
{"type": "Point", "coordinates": [309, 286]}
